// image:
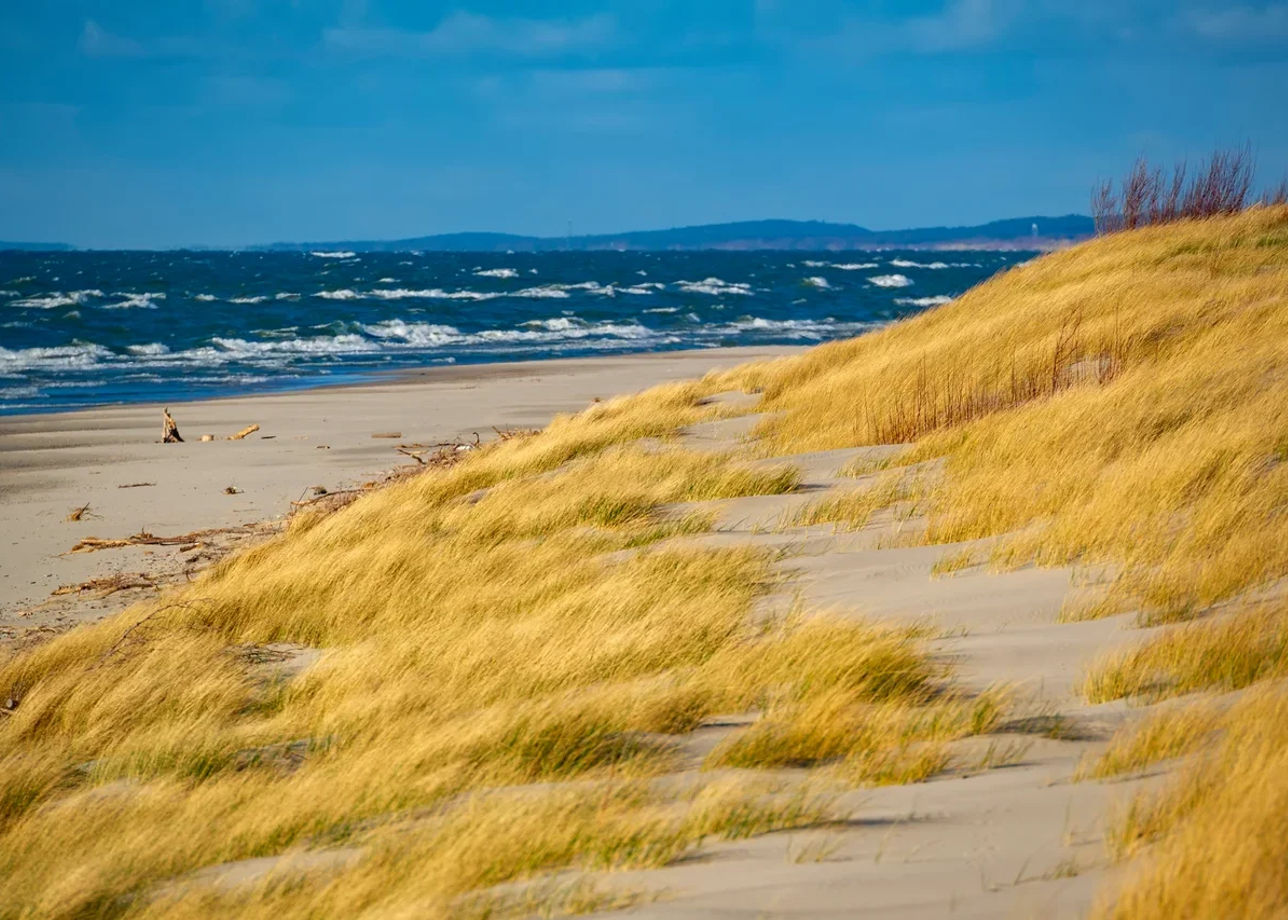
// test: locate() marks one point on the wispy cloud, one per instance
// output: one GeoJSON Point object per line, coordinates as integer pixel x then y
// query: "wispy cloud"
{"type": "Point", "coordinates": [96, 41]}
{"type": "Point", "coordinates": [464, 33]}
{"type": "Point", "coordinates": [960, 24]}
{"type": "Point", "coordinates": [1242, 23]}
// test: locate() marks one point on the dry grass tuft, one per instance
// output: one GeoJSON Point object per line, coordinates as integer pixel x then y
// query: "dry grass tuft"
{"type": "Point", "coordinates": [1217, 832]}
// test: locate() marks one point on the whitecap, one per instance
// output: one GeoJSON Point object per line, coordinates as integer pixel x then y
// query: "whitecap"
{"type": "Point", "coordinates": [57, 299]}
{"type": "Point", "coordinates": [134, 301]}
{"type": "Point", "coordinates": [422, 334]}
{"type": "Point", "coordinates": [151, 348]}
{"type": "Point", "coordinates": [341, 254]}
{"type": "Point", "coordinates": [342, 294]}
{"type": "Point", "coordinates": [256, 299]}
{"type": "Point", "coordinates": [556, 291]}
{"type": "Point", "coordinates": [430, 294]}
{"type": "Point", "coordinates": [854, 266]}
{"type": "Point", "coordinates": [923, 301]}
{"type": "Point", "coordinates": [890, 281]}
{"type": "Point", "coordinates": [714, 286]}
{"type": "Point", "coordinates": [78, 355]}
{"type": "Point", "coordinates": [497, 273]}
{"type": "Point", "coordinates": [206, 298]}
{"type": "Point", "coordinates": [818, 282]}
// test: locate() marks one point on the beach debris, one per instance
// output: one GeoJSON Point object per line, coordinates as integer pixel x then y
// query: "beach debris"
{"type": "Point", "coordinates": [249, 429]}
{"type": "Point", "coordinates": [207, 437]}
{"type": "Point", "coordinates": [324, 447]}
{"type": "Point", "coordinates": [143, 538]}
{"type": "Point", "coordinates": [77, 514]}
{"type": "Point", "coordinates": [319, 490]}
{"type": "Point", "coordinates": [232, 490]}
{"type": "Point", "coordinates": [388, 434]}
{"type": "Point", "coordinates": [108, 586]}
{"type": "Point", "coordinates": [267, 437]}
{"type": "Point", "coordinates": [169, 430]}
{"type": "Point", "coordinates": [135, 485]}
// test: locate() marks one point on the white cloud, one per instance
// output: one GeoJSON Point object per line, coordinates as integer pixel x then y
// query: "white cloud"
{"type": "Point", "coordinates": [464, 33]}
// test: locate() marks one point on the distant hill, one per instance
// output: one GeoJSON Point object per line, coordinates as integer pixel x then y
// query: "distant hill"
{"type": "Point", "coordinates": [814, 235]}
{"type": "Point", "coordinates": [35, 247]}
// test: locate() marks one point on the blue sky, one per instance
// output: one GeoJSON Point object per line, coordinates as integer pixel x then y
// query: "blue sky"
{"type": "Point", "coordinates": [126, 123]}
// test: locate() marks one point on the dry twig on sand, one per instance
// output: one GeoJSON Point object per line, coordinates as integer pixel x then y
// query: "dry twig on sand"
{"type": "Point", "coordinates": [107, 586]}
{"type": "Point", "coordinates": [78, 514]}
{"type": "Point", "coordinates": [249, 429]}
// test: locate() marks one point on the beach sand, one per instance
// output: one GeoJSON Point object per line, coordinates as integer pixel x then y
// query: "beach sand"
{"type": "Point", "coordinates": [111, 459]}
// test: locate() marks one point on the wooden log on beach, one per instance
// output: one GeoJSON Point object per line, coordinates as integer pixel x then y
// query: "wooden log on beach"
{"type": "Point", "coordinates": [169, 430]}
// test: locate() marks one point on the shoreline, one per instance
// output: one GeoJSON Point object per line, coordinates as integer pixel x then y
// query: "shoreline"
{"type": "Point", "coordinates": [110, 458]}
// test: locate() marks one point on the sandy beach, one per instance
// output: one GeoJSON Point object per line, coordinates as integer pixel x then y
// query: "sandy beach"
{"type": "Point", "coordinates": [111, 459]}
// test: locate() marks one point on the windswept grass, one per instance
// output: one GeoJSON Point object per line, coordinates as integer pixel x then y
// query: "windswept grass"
{"type": "Point", "coordinates": [1120, 401]}
{"type": "Point", "coordinates": [1169, 732]}
{"type": "Point", "coordinates": [1225, 653]}
{"type": "Point", "coordinates": [1217, 832]}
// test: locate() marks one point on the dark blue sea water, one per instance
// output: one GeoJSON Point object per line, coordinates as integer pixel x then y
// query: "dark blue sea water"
{"type": "Point", "coordinates": [88, 328]}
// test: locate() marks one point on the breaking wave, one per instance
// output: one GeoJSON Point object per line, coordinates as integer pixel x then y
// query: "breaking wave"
{"type": "Point", "coordinates": [890, 281]}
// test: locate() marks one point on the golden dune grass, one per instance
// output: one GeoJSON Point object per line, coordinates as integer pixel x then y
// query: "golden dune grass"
{"type": "Point", "coordinates": [1131, 389]}
{"type": "Point", "coordinates": [1212, 843]}
{"type": "Point", "coordinates": [510, 655]}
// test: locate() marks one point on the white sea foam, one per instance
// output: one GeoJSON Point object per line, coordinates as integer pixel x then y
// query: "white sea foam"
{"type": "Point", "coordinates": [714, 287]}
{"type": "Point", "coordinates": [922, 301]}
{"type": "Point", "coordinates": [551, 291]}
{"type": "Point", "coordinates": [342, 254]}
{"type": "Point", "coordinates": [206, 298]}
{"type": "Point", "coordinates": [429, 294]}
{"type": "Point", "coordinates": [57, 299]}
{"type": "Point", "coordinates": [422, 334]}
{"type": "Point", "coordinates": [854, 266]}
{"type": "Point", "coordinates": [321, 344]}
{"type": "Point", "coordinates": [387, 281]}
{"type": "Point", "coordinates": [890, 281]}
{"type": "Point", "coordinates": [818, 282]}
{"type": "Point", "coordinates": [342, 294]}
{"type": "Point", "coordinates": [286, 295]}
{"type": "Point", "coordinates": [497, 273]}
{"type": "Point", "coordinates": [792, 328]}
{"type": "Point", "coordinates": [151, 348]}
{"type": "Point", "coordinates": [810, 263]}
{"type": "Point", "coordinates": [908, 263]}
{"type": "Point", "coordinates": [662, 310]}
{"type": "Point", "coordinates": [260, 298]}
{"type": "Point", "coordinates": [145, 301]}
{"type": "Point", "coordinates": [8, 293]}
{"type": "Point", "coordinates": [78, 355]}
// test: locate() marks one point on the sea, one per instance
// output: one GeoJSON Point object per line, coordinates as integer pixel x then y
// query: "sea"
{"type": "Point", "coordinates": [92, 328]}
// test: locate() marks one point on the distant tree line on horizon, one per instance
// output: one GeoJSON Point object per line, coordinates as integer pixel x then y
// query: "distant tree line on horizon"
{"type": "Point", "coordinates": [1221, 185]}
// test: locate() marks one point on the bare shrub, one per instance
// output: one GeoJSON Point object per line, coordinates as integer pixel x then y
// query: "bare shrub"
{"type": "Point", "coordinates": [1221, 185]}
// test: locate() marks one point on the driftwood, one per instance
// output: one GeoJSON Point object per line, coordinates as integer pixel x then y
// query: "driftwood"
{"type": "Point", "coordinates": [107, 586]}
{"type": "Point", "coordinates": [249, 429]}
{"type": "Point", "coordinates": [169, 430]}
{"type": "Point", "coordinates": [135, 485]}
{"type": "Point", "coordinates": [387, 434]}
{"type": "Point", "coordinates": [143, 538]}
